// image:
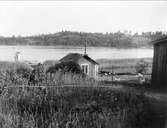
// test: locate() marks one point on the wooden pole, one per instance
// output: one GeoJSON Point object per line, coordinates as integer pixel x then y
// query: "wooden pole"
{"type": "Point", "coordinates": [112, 73]}
{"type": "Point", "coordinates": [85, 47]}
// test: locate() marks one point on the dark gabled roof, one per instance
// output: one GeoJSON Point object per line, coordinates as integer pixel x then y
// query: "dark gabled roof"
{"type": "Point", "coordinates": [75, 58]}
{"type": "Point", "coordinates": [90, 59]}
{"type": "Point", "coordinates": [71, 57]}
{"type": "Point", "coordinates": [159, 41]}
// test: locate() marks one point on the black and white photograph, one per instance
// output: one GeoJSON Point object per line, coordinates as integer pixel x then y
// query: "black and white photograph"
{"type": "Point", "coordinates": [83, 64]}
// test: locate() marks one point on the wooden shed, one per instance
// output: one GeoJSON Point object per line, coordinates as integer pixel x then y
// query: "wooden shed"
{"type": "Point", "coordinates": [159, 70]}
{"type": "Point", "coordinates": [87, 64]}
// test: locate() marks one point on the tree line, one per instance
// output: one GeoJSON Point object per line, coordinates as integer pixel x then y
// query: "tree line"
{"type": "Point", "coordinates": [68, 38]}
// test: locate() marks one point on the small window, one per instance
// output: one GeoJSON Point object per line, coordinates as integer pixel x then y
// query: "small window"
{"type": "Point", "coordinates": [85, 68]}
{"type": "Point", "coordinates": [96, 70]}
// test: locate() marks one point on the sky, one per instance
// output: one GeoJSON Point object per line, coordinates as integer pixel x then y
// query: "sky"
{"type": "Point", "coordinates": [25, 18]}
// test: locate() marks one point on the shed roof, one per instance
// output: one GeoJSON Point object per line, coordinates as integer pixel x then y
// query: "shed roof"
{"type": "Point", "coordinates": [159, 41]}
{"type": "Point", "coordinates": [75, 58]}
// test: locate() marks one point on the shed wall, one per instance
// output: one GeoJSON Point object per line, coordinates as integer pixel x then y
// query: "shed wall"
{"type": "Point", "coordinates": [159, 71]}
{"type": "Point", "coordinates": [91, 66]}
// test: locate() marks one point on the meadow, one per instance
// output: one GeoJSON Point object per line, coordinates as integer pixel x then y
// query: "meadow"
{"type": "Point", "coordinates": [73, 107]}
{"type": "Point", "coordinates": [85, 104]}
{"type": "Point", "coordinates": [123, 65]}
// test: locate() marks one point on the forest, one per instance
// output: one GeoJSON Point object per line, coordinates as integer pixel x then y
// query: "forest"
{"type": "Point", "coordinates": [67, 38]}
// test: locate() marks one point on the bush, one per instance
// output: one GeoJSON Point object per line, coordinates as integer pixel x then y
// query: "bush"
{"type": "Point", "coordinates": [38, 76]}
{"type": "Point", "coordinates": [65, 67]}
{"type": "Point", "coordinates": [49, 63]}
{"type": "Point", "coordinates": [24, 72]}
{"type": "Point", "coordinates": [142, 67]}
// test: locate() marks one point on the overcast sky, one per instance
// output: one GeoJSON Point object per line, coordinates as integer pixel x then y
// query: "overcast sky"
{"type": "Point", "coordinates": [29, 18]}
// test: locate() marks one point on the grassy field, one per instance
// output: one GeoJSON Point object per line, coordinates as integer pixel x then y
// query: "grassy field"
{"type": "Point", "coordinates": [6, 65]}
{"type": "Point", "coordinates": [124, 69]}
{"type": "Point", "coordinates": [14, 74]}
{"type": "Point", "coordinates": [76, 107]}
{"type": "Point", "coordinates": [122, 65]}
{"type": "Point", "coordinates": [72, 107]}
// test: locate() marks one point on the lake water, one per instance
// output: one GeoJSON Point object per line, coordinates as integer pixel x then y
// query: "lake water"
{"type": "Point", "coordinates": [42, 53]}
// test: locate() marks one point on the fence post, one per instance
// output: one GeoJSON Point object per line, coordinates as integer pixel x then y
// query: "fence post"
{"type": "Point", "coordinates": [112, 73]}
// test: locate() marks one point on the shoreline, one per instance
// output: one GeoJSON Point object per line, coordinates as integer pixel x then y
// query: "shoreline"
{"type": "Point", "coordinates": [74, 46]}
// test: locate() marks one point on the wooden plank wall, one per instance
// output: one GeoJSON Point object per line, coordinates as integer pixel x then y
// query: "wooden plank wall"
{"type": "Point", "coordinates": [159, 71]}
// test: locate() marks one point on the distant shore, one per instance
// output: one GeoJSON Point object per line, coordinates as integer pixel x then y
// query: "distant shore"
{"type": "Point", "coordinates": [74, 46]}
{"type": "Point", "coordinates": [69, 38]}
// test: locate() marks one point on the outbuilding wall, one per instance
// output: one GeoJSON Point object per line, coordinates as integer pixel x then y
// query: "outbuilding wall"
{"type": "Point", "coordinates": [159, 70]}
{"type": "Point", "coordinates": [91, 67]}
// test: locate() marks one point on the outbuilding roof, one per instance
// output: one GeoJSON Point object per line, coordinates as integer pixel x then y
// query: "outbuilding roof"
{"type": "Point", "coordinates": [159, 41]}
{"type": "Point", "coordinates": [75, 58]}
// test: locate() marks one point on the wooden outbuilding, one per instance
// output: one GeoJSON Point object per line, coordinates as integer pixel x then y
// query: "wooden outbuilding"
{"type": "Point", "coordinates": [87, 64]}
{"type": "Point", "coordinates": [159, 70]}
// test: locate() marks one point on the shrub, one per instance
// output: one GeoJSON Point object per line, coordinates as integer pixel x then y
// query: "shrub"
{"type": "Point", "coordinates": [24, 72]}
{"type": "Point", "coordinates": [142, 67]}
{"type": "Point", "coordinates": [65, 67]}
{"type": "Point", "coordinates": [38, 76]}
{"type": "Point", "coordinates": [49, 63]}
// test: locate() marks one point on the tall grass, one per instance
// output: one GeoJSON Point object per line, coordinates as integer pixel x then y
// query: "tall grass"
{"type": "Point", "coordinates": [22, 74]}
{"type": "Point", "coordinates": [68, 107]}
{"type": "Point", "coordinates": [73, 107]}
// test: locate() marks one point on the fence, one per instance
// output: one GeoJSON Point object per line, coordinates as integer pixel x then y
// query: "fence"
{"type": "Point", "coordinates": [126, 73]}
